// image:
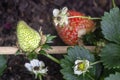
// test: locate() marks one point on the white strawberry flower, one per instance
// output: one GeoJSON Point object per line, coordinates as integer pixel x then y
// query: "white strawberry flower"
{"type": "Point", "coordinates": [37, 67]}
{"type": "Point", "coordinates": [81, 66]}
{"type": "Point", "coordinates": [60, 16]}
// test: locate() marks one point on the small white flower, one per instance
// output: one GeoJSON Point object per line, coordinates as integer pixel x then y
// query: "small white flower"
{"type": "Point", "coordinates": [81, 66]}
{"type": "Point", "coordinates": [60, 16]}
{"type": "Point", "coordinates": [37, 67]}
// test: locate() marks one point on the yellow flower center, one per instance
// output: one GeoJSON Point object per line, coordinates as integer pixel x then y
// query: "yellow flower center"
{"type": "Point", "coordinates": [81, 66]}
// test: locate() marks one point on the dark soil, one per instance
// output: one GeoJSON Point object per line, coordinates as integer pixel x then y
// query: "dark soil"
{"type": "Point", "coordinates": [38, 13]}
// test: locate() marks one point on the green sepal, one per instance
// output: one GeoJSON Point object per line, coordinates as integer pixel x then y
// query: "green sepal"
{"type": "Point", "coordinates": [46, 47]}
{"type": "Point", "coordinates": [42, 52]}
{"type": "Point", "coordinates": [50, 38]}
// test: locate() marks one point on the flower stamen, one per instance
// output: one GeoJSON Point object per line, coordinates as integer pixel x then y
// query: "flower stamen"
{"type": "Point", "coordinates": [36, 68]}
{"type": "Point", "coordinates": [81, 66]}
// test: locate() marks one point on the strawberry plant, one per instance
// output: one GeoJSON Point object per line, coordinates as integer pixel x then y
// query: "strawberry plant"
{"type": "Point", "coordinates": [79, 63]}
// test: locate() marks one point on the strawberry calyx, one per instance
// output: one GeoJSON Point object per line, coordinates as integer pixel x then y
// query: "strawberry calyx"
{"type": "Point", "coordinates": [45, 39]}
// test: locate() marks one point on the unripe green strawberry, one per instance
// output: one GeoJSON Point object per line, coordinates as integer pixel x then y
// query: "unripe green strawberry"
{"type": "Point", "coordinates": [28, 38]}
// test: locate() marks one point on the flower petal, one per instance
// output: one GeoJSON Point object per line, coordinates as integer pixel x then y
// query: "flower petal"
{"type": "Point", "coordinates": [56, 12]}
{"type": "Point", "coordinates": [76, 71]}
{"type": "Point", "coordinates": [41, 64]}
{"type": "Point", "coordinates": [66, 22]}
{"type": "Point", "coordinates": [43, 71]}
{"type": "Point", "coordinates": [28, 66]}
{"type": "Point", "coordinates": [87, 64]}
{"type": "Point", "coordinates": [64, 10]}
{"type": "Point", "coordinates": [78, 61]}
{"type": "Point", "coordinates": [56, 22]}
{"type": "Point", "coordinates": [34, 62]}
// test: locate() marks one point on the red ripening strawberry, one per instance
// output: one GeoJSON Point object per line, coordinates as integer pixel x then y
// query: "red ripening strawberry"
{"type": "Point", "coordinates": [71, 25]}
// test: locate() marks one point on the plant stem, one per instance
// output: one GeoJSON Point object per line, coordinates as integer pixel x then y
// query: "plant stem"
{"type": "Point", "coordinates": [40, 77]}
{"type": "Point", "coordinates": [88, 17]}
{"type": "Point", "coordinates": [52, 58]}
{"type": "Point", "coordinates": [113, 2]}
{"type": "Point", "coordinates": [95, 63]}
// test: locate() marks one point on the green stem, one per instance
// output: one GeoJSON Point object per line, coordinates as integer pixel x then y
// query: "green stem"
{"type": "Point", "coordinates": [88, 17]}
{"type": "Point", "coordinates": [113, 2]}
{"type": "Point", "coordinates": [95, 63]}
{"type": "Point", "coordinates": [52, 58]}
{"type": "Point", "coordinates": [40, 77]}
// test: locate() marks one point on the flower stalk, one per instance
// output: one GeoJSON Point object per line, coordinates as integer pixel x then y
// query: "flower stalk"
{"type": "Point", "coordinates": [52, 58]}
{"type": "Point", "coordinates": [95, 63]}
{"type": "Point", "coordinates": [40, 77]}
{"type": "Point", "coordinates": [87, 17]}
{"type": "Point", "coordinates": [113, 2]}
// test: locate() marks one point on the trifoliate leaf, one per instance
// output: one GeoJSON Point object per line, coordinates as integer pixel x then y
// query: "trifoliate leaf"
{"type": "Point", "coordinates": [110, 56]}
{"type": "Point", "coordinates": [28, 38]}
{"type": "Point", "coordinates": [67, 64]}
{"type": "Point", "coordinates": [2, 64]}
{"type": "Point", "coordinates": [115, 76]}
{"type": "Point", "coordinates": [110, 25]}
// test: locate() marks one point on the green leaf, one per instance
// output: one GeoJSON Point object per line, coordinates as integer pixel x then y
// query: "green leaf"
{"type": "Point", "coordinates": [115, 76]}
{"type": "Point", "coordinates": [110, 25]}
{"type": "Point", "coordinates": [110, 56]}
{"type": "Point", "coordinates": [67, 63]}
{"type": "Point", "coordinates": [2, 64]}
